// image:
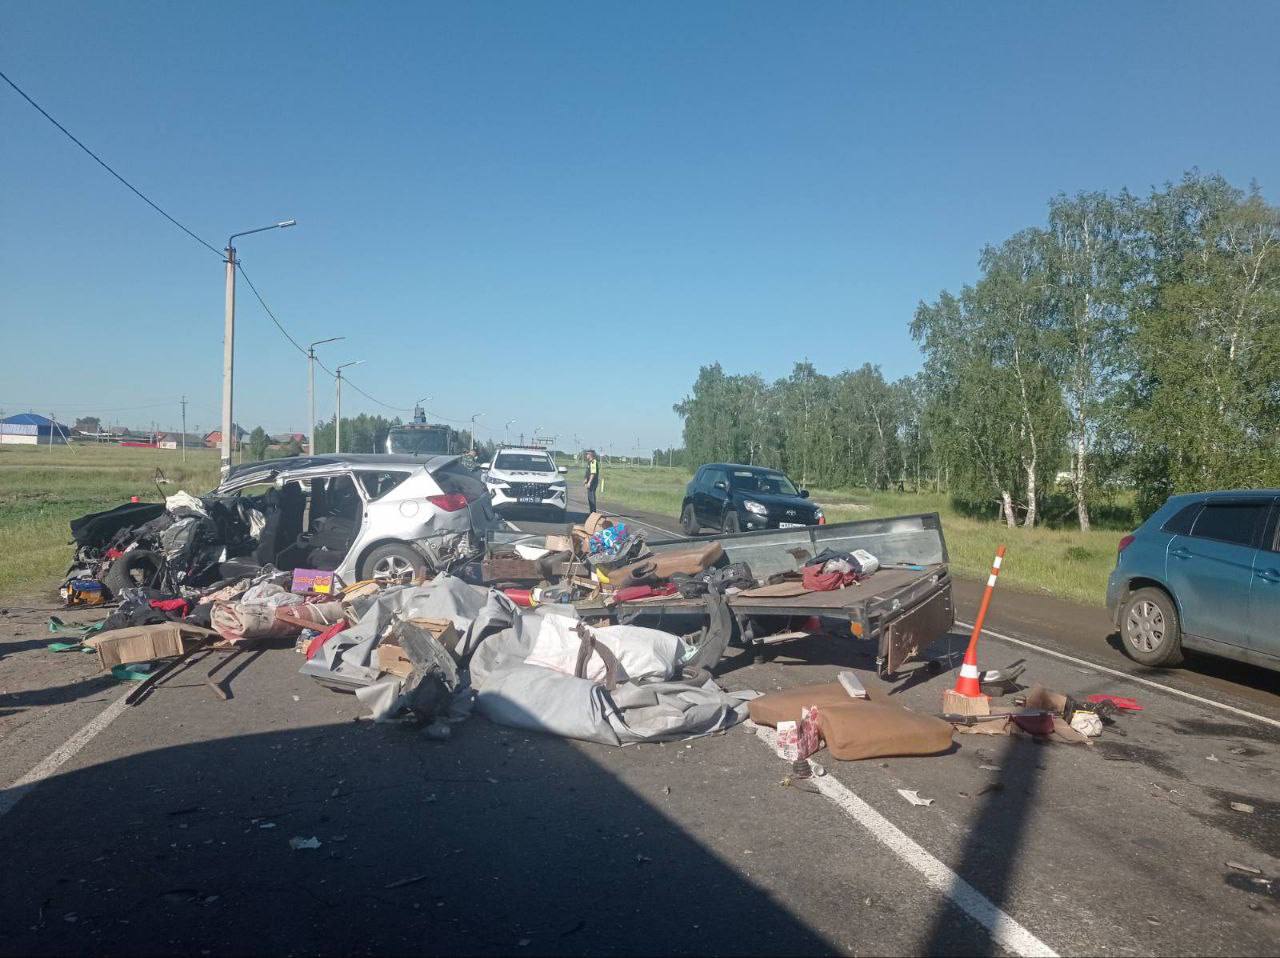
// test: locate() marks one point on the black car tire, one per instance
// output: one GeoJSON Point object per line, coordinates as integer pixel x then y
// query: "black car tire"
{"type": "Point", "coordinates": [138, 567]}
{"type": "Point", "coordinates": [395, 558]}
{"type": "Point", "coordinates": [1149, 628]}
{"type": "Point", "coordinates": [689, 521]}
{"type": "Point", "coordinates": [730, 525]}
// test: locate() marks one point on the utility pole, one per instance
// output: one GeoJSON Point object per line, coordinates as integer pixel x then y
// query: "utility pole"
{"type": "Point", "coordinates": [184, 429]}
{"type": "Point", "coordinates": [311, 392]}
{"type": "Point", "coordinates": [337, 419]}
{"type": "Point", "coordinates": [229, 340]}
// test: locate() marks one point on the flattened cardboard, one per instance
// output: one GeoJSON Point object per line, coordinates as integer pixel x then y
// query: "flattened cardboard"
{"type": "Point", "coordinates": [392, 658]}
{"type": "Point", "coordinates": [145, 643]}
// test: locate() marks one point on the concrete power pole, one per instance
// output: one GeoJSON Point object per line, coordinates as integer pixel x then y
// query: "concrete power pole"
{"type": "Point", "coordinates": [228, 358]}
{"type": "Point", "coordinates": [184, 429]}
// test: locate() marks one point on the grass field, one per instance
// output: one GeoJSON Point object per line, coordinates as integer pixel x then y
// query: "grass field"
{"type": "Point", "coordinates": [1060, 562]}
{"type": "Point", "coordinates": [42, 489]}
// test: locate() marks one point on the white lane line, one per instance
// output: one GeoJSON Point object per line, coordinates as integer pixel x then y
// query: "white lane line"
{"type": "Point", "coordinates": [1128, 677]}
{"type": "Point", "coordinates": [999, 924]}
{"type": "Point", "coordinates": [59, 756]}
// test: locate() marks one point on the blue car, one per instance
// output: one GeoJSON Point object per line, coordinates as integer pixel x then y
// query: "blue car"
{"type": "Point", "coordinates": [1202, 573]}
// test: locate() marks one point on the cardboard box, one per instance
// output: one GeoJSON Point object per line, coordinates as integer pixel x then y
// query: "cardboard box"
{"type": "Point", "coordinates": [144, 643]}
{"type": "Point", "coordinates": [953, 703]}
{"type": "Point", "coordinates": [391, 658]}
{"type": "Point", "coordinates": [319, 581]}
{"type": "Point", "coordinates": [559, 543]}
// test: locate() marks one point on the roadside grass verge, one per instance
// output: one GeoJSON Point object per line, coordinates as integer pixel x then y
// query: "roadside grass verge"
{"type": "Point", "coordinates": [1065, 563]}
{"type": "Point", "coordinates": [43, 489]}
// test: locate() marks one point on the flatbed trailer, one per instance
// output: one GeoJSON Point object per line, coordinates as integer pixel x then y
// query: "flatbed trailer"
{"type": "Point", "coordinates": [903, 607]}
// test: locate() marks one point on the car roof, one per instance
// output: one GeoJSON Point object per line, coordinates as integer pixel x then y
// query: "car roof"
{"type": "Point", "coordinates": [503, 449]}
{"type": "Point", "coordinates": [739, 465]}
{"type": "Point", "coordinates": [1224, 494]}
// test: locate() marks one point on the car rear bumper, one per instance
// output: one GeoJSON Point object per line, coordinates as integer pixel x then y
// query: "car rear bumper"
{"type": "Point", "coordinates": [1117, 586]}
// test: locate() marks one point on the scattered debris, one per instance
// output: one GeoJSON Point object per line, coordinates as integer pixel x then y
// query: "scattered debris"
{"type": "Point", "coordinates": [297, 843]}
{"type": "Point", "coordinates": [402, 882]}
{"type": "Point", "coordinates": [1243, 807]}
{"type": "Point", "coordinates": [912, 796]}
{"type": "Point", "coordinates": [1247, 869]}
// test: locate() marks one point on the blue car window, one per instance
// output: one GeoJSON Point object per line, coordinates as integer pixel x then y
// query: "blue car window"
{"type": "Point", "coordinates": [1181, 522]}
{"type": "Point", "coordinates": [1230, 522]}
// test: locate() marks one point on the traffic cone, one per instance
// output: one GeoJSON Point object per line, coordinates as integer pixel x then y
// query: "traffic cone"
{"type": "Point", "coordinates": [969, 684]}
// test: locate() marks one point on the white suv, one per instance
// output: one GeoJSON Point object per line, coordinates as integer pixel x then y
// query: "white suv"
{"type": "Point", "coordinates": [526, 477]}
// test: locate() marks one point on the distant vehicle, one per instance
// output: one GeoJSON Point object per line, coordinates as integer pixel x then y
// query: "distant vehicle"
{"type": "Point", "coordinates": [526, 476]}
{"type": "Point", "coordinates": [419, 439]}
{"type": "Point", "coordinates": [1202, 573]}
{"type": "Point", "coordinates": [737, 498]}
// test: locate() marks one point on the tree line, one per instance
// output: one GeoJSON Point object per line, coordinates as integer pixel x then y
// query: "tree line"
{"type": "Point", "coordinates": [1129, 342]}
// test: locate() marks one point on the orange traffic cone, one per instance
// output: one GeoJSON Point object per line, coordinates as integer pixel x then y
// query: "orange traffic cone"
{"type": "Point", "coordinates": [968, 684]}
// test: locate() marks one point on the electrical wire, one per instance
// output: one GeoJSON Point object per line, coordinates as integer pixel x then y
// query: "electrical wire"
{"type": "Point", "coordinates": [267, 309]}
{"type": "Point", "coordinates": [101, 162]}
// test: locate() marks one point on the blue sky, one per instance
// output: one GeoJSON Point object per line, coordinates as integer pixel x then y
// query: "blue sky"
{"type": "Point", "coordinates": [556, 212]}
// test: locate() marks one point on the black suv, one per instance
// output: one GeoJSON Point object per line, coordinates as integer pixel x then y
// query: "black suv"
{"type": "Point", "coordinates": [734, 498]}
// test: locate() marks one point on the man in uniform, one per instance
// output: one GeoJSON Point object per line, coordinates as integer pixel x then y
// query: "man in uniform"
{"type": "Point", "coordinates": [592, 479]}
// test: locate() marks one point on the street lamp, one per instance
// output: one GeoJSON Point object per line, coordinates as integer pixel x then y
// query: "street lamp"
{"type": "Point", "coordinates": [506, 432]}
{"type": "Point", "coordinates": [337, 418]}
{"type": "Point", "coordinates": [311, 391]}
{"type": "Point", "coordinates": [473, 428]}
{"type": "Point", "coordinates": [229, 339]}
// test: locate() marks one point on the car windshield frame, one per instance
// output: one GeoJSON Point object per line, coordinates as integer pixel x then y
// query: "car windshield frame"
{"type": "Point", "coordinates": [527, 462]}
{"type": "Point", "coordinates": [749, 481]}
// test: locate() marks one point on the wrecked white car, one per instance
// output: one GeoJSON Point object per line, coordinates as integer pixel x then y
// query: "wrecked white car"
{"type": "Point", "coordinates": [367, 516]}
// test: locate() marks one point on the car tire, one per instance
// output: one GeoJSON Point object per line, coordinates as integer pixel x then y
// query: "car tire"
{"type": "Point", "coordinates": [136, 568]}
{"type": "Point", "coordinates": [730, 525]}
{"type": "Point", "coordinates": [1149, 628]}
{"type": "Point", "coordinates": [393, 560]}
{"type": "Point", "coordinates": [689, 521]}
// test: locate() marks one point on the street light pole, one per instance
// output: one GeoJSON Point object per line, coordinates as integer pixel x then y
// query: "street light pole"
{"type": "Point", "coordinates": [506, 432]}
{"type": "Point", "coordinates": [473, 429]}
{"type": "Point", "coordinates": [229, 340]}
{"type": "Point", "coordinates": [311, 391]}
{"type": "Point", "coordinates": [337, 419]}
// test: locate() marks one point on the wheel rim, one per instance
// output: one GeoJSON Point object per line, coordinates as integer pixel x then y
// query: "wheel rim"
{"type": "Point", "coordinates": [392, 567]}
{"type": "Point", "coordinates": [1145, 626]}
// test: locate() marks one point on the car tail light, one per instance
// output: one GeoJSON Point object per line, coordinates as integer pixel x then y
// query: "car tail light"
{"type": "Point", "coordinates": [451, 502]}
{"type": "Point", "coordinates": [822, 520]}
{"type": "Point", "coordinates": [1125, 542]}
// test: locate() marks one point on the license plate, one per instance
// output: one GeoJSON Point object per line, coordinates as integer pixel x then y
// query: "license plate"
{"type": "Point", "coordinates": [528, 499]}
{"type": "Point", "coordinates": [790, 525]}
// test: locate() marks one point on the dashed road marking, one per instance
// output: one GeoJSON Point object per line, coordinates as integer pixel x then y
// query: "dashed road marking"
{"type": "Point", "coordinates": [1004, 930]}
{"type": "Point", "coordinates": [60, 756]}
{"type": "Point", "coordinates": [1127, 676]}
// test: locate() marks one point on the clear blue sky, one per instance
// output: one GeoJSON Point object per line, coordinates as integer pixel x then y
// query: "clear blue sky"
{"type": "Point", "coordinates": [556, 212]}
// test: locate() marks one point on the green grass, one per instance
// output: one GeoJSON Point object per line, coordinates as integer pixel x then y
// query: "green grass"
{"type": "Point", "coordinates": [42, 489]}
{"type": "Point", "coordinates": [1065, 563]}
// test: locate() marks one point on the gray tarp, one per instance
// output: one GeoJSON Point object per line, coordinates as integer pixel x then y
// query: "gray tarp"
{"type": "Point", "coordinates": [510, 692]}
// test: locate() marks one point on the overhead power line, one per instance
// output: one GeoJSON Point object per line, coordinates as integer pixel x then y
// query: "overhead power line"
{"type": "Point", "coordinates": [103, 163]}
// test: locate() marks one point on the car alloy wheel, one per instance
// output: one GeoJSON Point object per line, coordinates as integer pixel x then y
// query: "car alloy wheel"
{"type": "Point", "coordinates": [1144, 626]}
{"type": "Point", "coordinates": [393, 567]}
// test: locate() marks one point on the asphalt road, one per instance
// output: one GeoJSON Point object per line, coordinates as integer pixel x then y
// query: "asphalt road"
{"type": "Point", "coordinates": [167, 827]}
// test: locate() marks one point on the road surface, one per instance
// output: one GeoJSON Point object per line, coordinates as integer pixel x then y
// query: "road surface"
{"type": "Point", "coordinates": [167, 827]}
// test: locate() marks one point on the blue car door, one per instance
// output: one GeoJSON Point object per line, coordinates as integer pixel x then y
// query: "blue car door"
{"type": "Point", "coordinates": [1264, 592]}
{"type": "Point", "coordinates": [1211, 570]}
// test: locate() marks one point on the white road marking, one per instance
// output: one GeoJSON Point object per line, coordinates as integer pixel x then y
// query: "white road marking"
{"type": "Point", "coordinates": [59, 757]}
{"type": "Point", "coordinates": [1128, 677]}
{"type": "Point", "coordinates": [1003, 929]}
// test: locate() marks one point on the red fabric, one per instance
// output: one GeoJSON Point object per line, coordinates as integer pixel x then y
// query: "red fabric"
{"type": "Point", "coordinates": [633, 592]}
{"type": "Point", "coordinates": [180, 606]}
{"type": "Point", "coordinates": [114, 553]}
{"type": "Point", "coordinates": [1119, 701]}
{"type": "Point", "coordinates": [815, 580]}
{"type": "Point", "coordinates": [316, 644]}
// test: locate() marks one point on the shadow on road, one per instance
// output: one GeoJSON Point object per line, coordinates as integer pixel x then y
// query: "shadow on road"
{"type": "Point", "coordinates": [1240, 673]}
{"type": "Point", "coordinates": [491, 843]}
